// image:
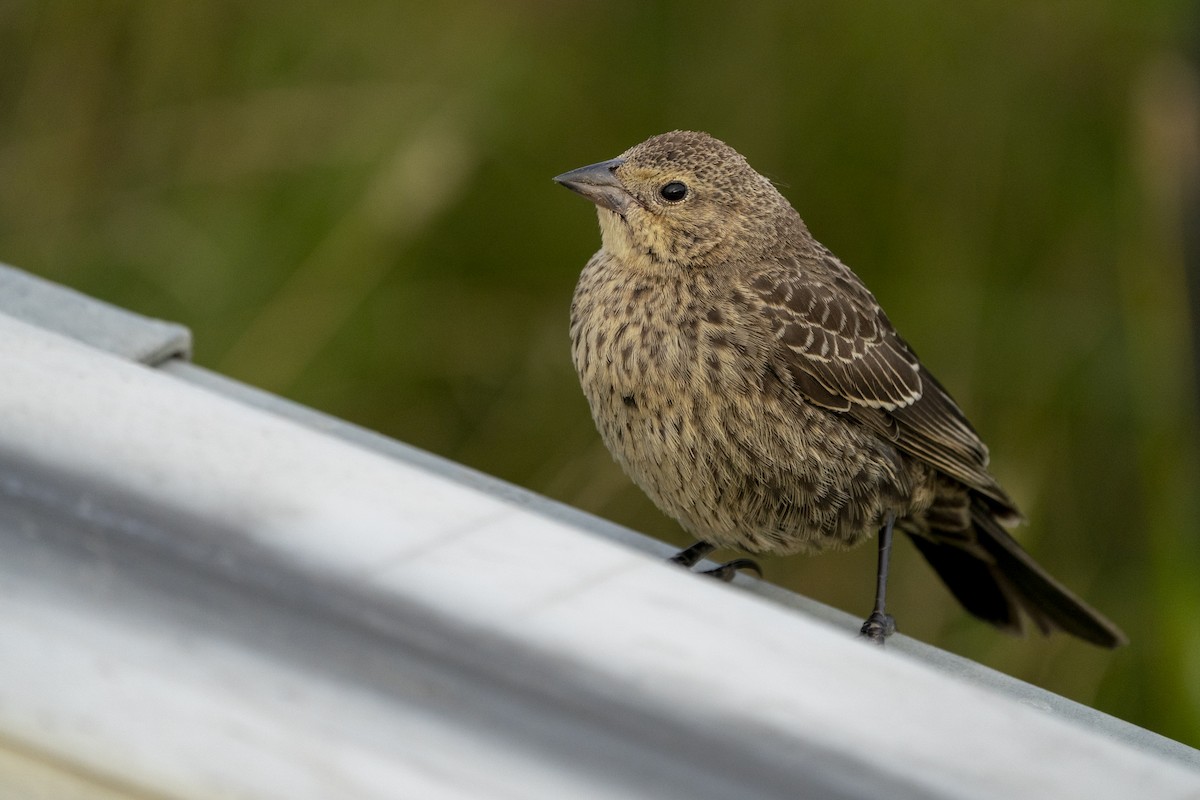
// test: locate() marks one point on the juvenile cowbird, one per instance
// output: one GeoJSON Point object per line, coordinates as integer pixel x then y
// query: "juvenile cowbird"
{"type": "Point", "coordinates": [752, 386]}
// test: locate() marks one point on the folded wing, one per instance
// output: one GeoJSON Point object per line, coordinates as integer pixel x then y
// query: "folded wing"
{"type": "Point", "coordinates": [840, 351]}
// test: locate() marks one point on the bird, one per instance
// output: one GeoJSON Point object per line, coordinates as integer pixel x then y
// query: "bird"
{"type": "Point", "coordinates": [753, 387]}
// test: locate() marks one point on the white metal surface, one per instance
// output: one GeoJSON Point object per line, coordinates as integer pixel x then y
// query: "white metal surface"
{"type": "Point", "coordinates": [102, 325]}
{"type": "Point", "coordinates": [204, 599]}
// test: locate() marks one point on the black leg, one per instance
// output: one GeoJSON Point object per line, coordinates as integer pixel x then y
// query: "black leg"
{"type": "Point", "coordinates": [880, 624]}
{"type": "Point", "coordinates": [726, 571]}
{"type": "Point", "coordinates": [692, 556]}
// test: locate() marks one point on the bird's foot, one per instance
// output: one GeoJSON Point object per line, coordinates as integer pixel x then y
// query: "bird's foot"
{"type": "Point", "coordinates": [692, 556]}
{"type": "Point", "coordinates": [878, 627]}
{"type": "Point", "coordinates": [726, 571]}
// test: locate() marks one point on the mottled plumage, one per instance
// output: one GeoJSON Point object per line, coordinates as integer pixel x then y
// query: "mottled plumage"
{"type": "Point", "coordinates": [752, 386]}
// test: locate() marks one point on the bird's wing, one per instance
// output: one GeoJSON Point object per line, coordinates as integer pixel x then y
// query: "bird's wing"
{"type": "Point", "coordinates": [837, 348]}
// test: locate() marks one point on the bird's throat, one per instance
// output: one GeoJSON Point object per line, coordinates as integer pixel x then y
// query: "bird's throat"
{"type": "Point", "coordinates": [621, 241]}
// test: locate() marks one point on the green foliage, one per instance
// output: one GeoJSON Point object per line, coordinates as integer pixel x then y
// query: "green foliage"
{"type": "Point", "coordinates": [352, 206]}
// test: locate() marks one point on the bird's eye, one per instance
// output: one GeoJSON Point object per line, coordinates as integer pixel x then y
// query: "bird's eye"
{"type": "Point", "coordinates": [674, 191]}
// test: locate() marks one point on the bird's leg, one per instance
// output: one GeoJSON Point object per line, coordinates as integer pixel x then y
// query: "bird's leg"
{"type": "Point", "coordinates": [880, 624]}
{"type": "Point", "coordinates": [726, 571]}
{"type": "Point", "coordinates": [692, 555]}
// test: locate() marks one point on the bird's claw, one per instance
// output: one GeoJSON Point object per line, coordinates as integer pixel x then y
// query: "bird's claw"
{"type": "Point", "coordinates": [726, 571]}
{"type": "Point", "coordinates": [878, 627]}
{"type": "Point", "coordinates": [691, 556]}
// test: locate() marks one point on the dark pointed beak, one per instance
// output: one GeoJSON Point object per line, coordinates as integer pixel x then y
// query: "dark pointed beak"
{"type": "Point", "coordinates": [598, 183]}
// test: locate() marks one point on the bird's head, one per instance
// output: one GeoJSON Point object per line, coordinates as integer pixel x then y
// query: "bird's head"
{"type": "Point", "coordinates": [682, 200]}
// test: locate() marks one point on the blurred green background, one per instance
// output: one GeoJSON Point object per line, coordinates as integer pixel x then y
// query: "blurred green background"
{"type": "Point", "coordinates": [350, 204]}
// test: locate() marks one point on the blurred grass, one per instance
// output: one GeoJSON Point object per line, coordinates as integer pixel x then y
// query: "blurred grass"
{"type": "Point", "coordinates": [351, 205]}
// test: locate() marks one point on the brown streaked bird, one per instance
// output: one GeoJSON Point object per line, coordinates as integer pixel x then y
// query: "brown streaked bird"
{"type": "Point", "coordinates": [752, 386]}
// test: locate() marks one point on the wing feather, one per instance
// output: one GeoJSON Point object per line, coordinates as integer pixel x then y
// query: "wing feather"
{"type": "Point", "coordinates": [842, 353]}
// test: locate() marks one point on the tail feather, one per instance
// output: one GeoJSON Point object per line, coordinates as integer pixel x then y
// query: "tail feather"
{"type": "Point", "coordinates": [973, 582]}
{"type": "Point", "coordinates": [996, 580]}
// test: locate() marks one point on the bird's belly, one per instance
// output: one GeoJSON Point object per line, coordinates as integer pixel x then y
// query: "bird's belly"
{"type": "Point", "coordinates": [738, 466]}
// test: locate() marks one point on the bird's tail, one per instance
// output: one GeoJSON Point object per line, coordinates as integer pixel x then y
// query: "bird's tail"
{"type": "Point", "coordinates": [996, 580]}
